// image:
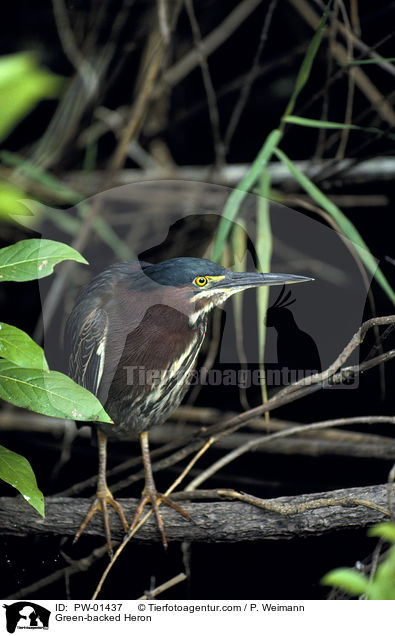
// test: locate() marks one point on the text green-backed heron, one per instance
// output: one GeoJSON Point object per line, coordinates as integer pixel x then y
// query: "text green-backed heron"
{"type": "Point", "coordinates": [154, 317]}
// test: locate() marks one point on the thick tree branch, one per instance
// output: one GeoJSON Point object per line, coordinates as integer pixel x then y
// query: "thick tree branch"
{"type": "Point", "coordinates": [377, 169]}
{"type": "Point", "coordinates": [250, 519]}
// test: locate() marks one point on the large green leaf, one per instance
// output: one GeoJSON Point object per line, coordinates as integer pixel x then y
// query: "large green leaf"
{"type": "Point", "coordinates": [50, 393]}
{"type": "Point", "coordinates": [16, 471]}
{"type": "Point", "coordinates": [17, 347]}
{"type": "Point", "coordinates": [34, 258]}
{"type": "Point", "coordinates": [22, 85]}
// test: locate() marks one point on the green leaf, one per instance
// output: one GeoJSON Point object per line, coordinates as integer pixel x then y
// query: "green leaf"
{"type": "Point", "coordinates": [235, 199]}
{"type": "Point", "coordinates": [16, 471]}
{"type": "Point", "coordinates": [17, 347]}
{"type": "Point", "coordinates": [34, 258]}
{"type": "Point", "coordinates": [36, 173]}
{"type": "Point", "coordinates": [264, 245]}
{"type": "Point", "coordinates": [305, 69]}
{"type": "Point", "coordinates": [348, 580]}
{"type": "Point", "coordinates": [333, 125]}
{"type": "Point", "coordinates": [385, 531]}
{"type": "Point", "coordinates": [348, 229]}
{"type": "Point", "coordinates": [264, 254]}
{"type": "Point", "coordinates": [49, 392]}
{"type": "Point", "coordinates": [11, 201]}
{"type": "Point", "coordinates": [374, 60]}
{"type": "Point", "coordinates": [383, 586]}
{"type": "Point", "coordinates": [22, 85]}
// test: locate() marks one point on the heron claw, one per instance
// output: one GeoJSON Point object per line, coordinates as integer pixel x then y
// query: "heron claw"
{"type": "Point", "coordinates": [154, 498]}
{"type": "Point", "coordinates": [100, 504]}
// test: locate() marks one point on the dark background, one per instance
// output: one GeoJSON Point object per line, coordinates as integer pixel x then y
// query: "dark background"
{"type": "Point", "coordinates": [266, 569]}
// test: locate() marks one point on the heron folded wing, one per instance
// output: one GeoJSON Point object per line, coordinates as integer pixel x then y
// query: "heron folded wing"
{"type": "Point", "coordinates": [88, 347]}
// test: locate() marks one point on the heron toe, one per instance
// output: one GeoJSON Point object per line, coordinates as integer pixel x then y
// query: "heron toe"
{"type": "Point", "coordinates": [100, 504]}
{"type": "Point", "coordinates": [154, 498]}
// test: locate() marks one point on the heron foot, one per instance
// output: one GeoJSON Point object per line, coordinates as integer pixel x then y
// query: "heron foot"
{"type": "Point", "coordinates": [154, 498]}
{"type": "Point", "coordinates": [103, 499]}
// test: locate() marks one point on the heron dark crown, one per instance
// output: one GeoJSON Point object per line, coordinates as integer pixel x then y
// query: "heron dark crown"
{"type": "Point", "coordinates": [182, 271]}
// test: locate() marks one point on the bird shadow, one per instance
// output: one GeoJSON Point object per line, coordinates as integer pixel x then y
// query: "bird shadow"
{"type": "Point", "coordinates": [296, 349]}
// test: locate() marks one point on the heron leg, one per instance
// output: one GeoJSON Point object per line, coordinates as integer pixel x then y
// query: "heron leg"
{"type": "Point", "coordinates": [151, 495]}
{"type": "Point", "coordinates": [104, 498]}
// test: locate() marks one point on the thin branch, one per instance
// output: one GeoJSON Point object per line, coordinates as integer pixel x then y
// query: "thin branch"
{"type": "Point", "coordinates": [73, 568]}
{"type": "Point", "coordinates": [210, 43]}
{"type": "Point", "coordinates": [138, 110]}
{"type": "Point", "coordinates": [350, 89]}
{"type": "Point", "coordinates": [66, 36]}
{"type": "Point", "coordinates": [313, 19]}
{"type": "Point", "coordinates": [249, 79]}
{"type": "Point", "coordinates": [163, 20]}
{"type": "Point", "coordinates": [311, 383]}
{"type": "Point", "coordinates": [164, 587]}
{"type": "Point", "coordinates": [208, 84]}
{"type": "Point", "coordinates": [265, 439]}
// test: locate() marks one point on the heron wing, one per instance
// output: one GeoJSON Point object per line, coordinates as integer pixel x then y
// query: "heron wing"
{"type": "Point", "coordinates": [88, 346]}
{"type": "Point", "coordinates": [88, 332]}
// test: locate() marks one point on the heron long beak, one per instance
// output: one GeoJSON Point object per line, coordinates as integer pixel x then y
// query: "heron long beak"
{"type": "Point", "coordinates": [243, 280]}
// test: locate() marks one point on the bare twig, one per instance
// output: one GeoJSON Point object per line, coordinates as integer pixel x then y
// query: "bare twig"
{"type": "Point", "coordinates": [312, 18]}
{"type": "Point", "coordinates": [264, 439]}
{"type": "Point", "coordinates": [249, 80]}
{"type": "Point", "coordinates": [164, 587]}
{"type": "Point", "coordinates": [138, 109]}
{"type": "Point", "coordinates": [208, 84]}
{"type": "Point", "coordinates": [66, 36]}
{"type": "Point", "coordinates": [307, 385]}
{"type": "Point", "coordinates": [163, 20]}
{"type": "Point", "coordinates": [340, 53]}
{"type": "Point", "coordinates": [75, 566]}
{"type": "Point", "coordinates": [350, 88]}
{"type": "Point", "coordinates": [210, 43]}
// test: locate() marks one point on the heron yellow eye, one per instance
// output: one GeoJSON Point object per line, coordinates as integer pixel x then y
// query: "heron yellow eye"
{"type": "Point", "coordinates": [201, 281]}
